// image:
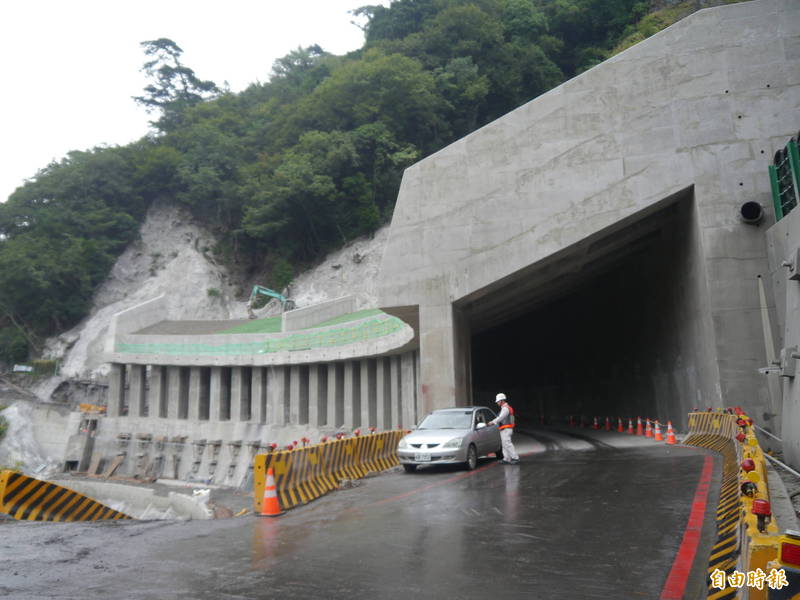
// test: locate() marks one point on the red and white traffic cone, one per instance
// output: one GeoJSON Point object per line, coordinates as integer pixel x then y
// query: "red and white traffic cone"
{"type": "Point", "coordinates": [595, 425]}
{"type": "Point", "coordinates": [620, 428]}
{"type": "Point", "coordinates": [630, 426]}
{"type": "Point", "coordinates": [648, 431]}
{"type": "Point", "coordinates": [670, 434]}
{"type": "Point", "coordinates": [608, 424]}
{"type": "Point", "coordinates": [269, 505]}
{"type": "Point", "coordinates": [658, 437]}
{"type": "Point", "coordinates": [639, 430]}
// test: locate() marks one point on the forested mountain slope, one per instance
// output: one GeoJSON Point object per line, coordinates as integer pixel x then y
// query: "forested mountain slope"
{"type": "Point", "coordinates": [286, 170]}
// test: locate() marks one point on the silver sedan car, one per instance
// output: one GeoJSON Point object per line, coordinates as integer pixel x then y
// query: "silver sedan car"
{"type": "Point", "coordinates": [450, 435]}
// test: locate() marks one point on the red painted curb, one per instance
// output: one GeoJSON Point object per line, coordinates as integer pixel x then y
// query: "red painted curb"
{"type": "Point", "coordinates": [679, 573]}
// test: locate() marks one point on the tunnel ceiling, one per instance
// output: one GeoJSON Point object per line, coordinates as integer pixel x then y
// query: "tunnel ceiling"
{"type": "Point", "coordinates": [572, 268]}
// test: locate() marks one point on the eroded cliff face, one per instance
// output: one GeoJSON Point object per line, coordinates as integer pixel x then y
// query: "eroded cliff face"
{"type": "Point", "coordinates": [174, 256]}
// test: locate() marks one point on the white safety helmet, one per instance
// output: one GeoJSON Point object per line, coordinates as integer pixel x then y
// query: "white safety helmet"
{"type": "Point", "coordinates": [500, 397]}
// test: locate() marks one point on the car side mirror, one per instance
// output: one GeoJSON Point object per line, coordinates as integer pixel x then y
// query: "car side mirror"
{"type": "Point", "coordinates": [480, 426]}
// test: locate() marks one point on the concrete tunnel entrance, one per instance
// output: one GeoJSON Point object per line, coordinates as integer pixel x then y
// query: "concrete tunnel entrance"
{"type": "Point", "coordinates": [611, 327]}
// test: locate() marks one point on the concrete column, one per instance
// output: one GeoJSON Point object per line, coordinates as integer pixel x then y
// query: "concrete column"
{"type": "Point", "coordinates": [276, 395]}
{"type": "Point", "coordinates": [397, 404]}
{"type": "Point", "coordinates": [369, 406]}
{"type": "Point", "coordinates": [407, 390]}
{"type": "Point", "coordinates": [444, 343]}
{"type": "Point", "coordinates": [258, 391]}
{"type": "Point", "coordinates": [314, 395]}
{"type": "Point", "coordinates": [294, 394]}
{"type": "Point", "coordinates": [240, 393]}
{"type": "Point", "coordinates": [352, 394]}
{"type": "Point", "coordinates": [217, 392]}
{"type": "Point", "coordinates": [335, 394]}
{"type": "Point", "coordinates": [383, 394]}
{"type": "Point", "coordinates": [158, 391]}
{"type": "Point", "coordinates": [137, 391]}
{"type": "Point", "coordinates": [173, 391]}
{"type": "Point", "coordinates": [116, 390]}
{"type": "Point", "coordinates": [195, 392]}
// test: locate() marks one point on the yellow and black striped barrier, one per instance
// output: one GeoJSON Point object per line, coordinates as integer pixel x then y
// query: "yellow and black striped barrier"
{"type": "Point", "coordinates": [747, 541]}
{"type": "Point", "coordinates": [305, 474]}
{"type": "Point", "coordinates": [715, 423]}
{"type": "Point", "coordinates": [716, 431]}
{"type": "Point", "coordinates": [28, 499]}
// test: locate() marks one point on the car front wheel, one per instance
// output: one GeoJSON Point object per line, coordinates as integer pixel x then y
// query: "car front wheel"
{"type": "Point", "coordinates": [472, 458]}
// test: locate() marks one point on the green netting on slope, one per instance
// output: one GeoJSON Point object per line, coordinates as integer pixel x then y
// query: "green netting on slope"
{"type": "Point", "coordinates": [305, 340]}
{"type": "Point", "coordinates": [268, 325]}
{"type": "Point", "coordinates": [359, 314]}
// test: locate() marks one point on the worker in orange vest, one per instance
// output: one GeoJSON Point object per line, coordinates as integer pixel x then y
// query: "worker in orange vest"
{"type": "Point", "coordinates": [506, 422]}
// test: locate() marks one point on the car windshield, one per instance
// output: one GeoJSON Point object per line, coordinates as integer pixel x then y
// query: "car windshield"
{"type": "Point", "coordinates": [447, 420]}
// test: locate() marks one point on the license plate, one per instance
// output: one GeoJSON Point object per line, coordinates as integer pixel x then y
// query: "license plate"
{"type": "Point", "coordinates": [422, 456]}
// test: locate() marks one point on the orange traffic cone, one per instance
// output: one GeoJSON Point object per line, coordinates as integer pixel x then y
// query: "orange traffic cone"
{"type": "Point", "coordinates": [595, 425]}
{"type": "Point", "coordinates": [648, 431]}
{"type": "Point", "coordinates": [639, 430]}
{"type": "Point", "coordinates": [270, 506]}
{"type": "Point", "coordinates": [630, 426]}
{"type": "Point", "coordinates": [659, 437]}
{"type": "Point", "coordinates": [608, 424]}
{"type": "Point", "coordinates": [670, 434]}
{"type": "Point", "coordinates": [620, 428]}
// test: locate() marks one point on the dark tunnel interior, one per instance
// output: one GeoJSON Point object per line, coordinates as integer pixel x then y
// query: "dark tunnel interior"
{"type": "Point", "coordinates": [621, 338]}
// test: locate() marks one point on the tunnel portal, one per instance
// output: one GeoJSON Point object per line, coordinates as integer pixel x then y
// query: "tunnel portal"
{"type": "Point", "coordinates": [608, 329]}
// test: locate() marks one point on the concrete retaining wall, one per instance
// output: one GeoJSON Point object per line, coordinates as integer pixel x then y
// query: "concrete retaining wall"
{"type": "Point", "coordinates": [308, 316]}
{"type": "Point", "coordinates": [136, 318]}
{"type": "Point", "coordinates": [784, 244]}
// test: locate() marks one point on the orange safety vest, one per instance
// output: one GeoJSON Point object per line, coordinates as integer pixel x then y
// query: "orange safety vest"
{"type": "Point", "coordinates": [508, 422]}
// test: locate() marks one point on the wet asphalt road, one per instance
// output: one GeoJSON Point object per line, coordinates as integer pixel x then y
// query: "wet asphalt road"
{"type": "Point", "coordinates": [576, 519]}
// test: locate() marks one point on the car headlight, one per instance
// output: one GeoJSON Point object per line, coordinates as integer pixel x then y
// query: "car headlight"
{"type": "Point", "coordinates": [454, 443]}
{"type": "Point", "coordinates": [402, 444]}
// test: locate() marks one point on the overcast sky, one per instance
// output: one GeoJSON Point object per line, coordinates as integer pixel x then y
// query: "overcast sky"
{"type": "Point", "coordinates": [70, 67]}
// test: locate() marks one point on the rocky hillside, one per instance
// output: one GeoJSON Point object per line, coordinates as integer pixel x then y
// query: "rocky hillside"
{"type": "Point", "coordinates": [173, 255]}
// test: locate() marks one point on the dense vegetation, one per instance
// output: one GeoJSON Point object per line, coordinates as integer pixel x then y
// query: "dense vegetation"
{"type": "Point", "coordinates": [288, 169]}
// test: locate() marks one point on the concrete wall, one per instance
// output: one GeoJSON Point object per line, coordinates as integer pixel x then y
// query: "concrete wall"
{"type": "Point", "coordinates": [784, 243]}
{"type": "Point", "coordinates": [136, 318]}
{"type": "Point", "coordinates": [308, 316]}
{"type": "Point", "coordinates": [52, 428]}
{"type": "Point", "coordinates": [166, 419]}
{"type": "Point", "coordinates": [702, 105]}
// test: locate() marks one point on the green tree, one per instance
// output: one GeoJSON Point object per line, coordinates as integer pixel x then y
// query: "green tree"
{"type": "Point", "coordinates": [174, 87]}
{"type": "Point", "coordinates": [391, 89]}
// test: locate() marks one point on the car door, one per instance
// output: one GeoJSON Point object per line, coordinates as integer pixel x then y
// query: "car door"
{"type": "Point", "coordinates": [479, 434]}
{"type": "Point", "coordinates": [492, 433]}
{"type": "Point", "coordinates": [484, 434]}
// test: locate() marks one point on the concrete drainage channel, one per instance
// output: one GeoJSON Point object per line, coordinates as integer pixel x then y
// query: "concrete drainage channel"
{"type": "Point", "coordinates": [145, 503]}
